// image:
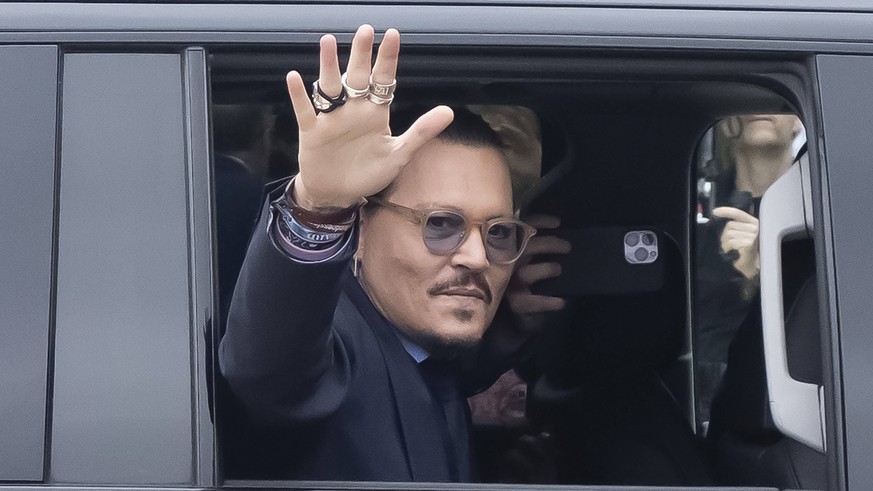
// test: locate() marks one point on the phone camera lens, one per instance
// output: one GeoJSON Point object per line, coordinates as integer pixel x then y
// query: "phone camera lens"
{"type": "Point", "coordinates": [641, 254]}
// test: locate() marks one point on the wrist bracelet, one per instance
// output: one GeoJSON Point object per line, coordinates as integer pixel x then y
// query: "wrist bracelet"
{"type": "Point", "coordinates": [329, 228]}
{"type": "Point", "coordinates": [307, 233]}
{"type": "Point", "coordinates": [339, 221]}
{"type": "Point", "coordinates": [306, 236]}
{"type": "Point", "coordinates": [302, 243]}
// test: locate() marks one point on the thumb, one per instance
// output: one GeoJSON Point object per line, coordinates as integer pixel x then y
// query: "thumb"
{"type": "Point", "coordinates": [734, 214]}
{"type": "Point", "coordinates": [423, 130]}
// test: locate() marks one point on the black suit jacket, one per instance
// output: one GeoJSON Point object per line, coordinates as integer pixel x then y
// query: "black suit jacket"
{"type": "Point", "coordinates": [321, 386]}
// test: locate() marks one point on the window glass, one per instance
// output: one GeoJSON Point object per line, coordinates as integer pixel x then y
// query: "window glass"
{"type": "Point", "coordinates": [757, 306]}
{"type": "Point", "coordinates": [122, 408]}
{"type": "Point", "coordinates": [606, 392]}
{"type": "Point", "coordinates": [738, 159]}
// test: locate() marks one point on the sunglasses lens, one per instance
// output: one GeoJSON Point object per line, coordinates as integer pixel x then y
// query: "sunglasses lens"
{"type": "Point", "coordinates": [505, 241]}
{"type": "Point", "coordinates": [443, 231]}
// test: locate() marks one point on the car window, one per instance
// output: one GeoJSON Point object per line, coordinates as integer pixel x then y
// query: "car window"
{"type": "Point", "coordinates": [621, 371]}
{"type": "Point", "coordinates": [757, 328]}
{"type": "Point", "coordinates": [738, 159]}
{"type": "Point", "coordinates": [122, 378]}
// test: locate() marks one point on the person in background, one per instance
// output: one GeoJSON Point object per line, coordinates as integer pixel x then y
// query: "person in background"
{"type": "Point", "coordinates": [750, 153]}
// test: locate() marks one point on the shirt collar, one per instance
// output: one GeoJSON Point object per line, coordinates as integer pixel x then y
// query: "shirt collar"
{"type": "Point", "coordinates": [417, 353]}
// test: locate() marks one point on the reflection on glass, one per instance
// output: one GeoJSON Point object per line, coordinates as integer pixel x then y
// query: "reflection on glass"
{"type": "Point", "coordinates": [741, 156]}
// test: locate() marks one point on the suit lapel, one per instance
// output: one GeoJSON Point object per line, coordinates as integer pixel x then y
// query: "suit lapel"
{"type": "Point", "coordinates": [417, 411]}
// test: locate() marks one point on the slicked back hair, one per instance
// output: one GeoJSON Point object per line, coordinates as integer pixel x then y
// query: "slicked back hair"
{"type": "Point", "coordinates": [467, 128]}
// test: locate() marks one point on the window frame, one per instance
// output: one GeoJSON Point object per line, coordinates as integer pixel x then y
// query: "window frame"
{"type": "Point", "coordinates": [789, 75]}
{"type": "Point", "coordinates": [28, 103]}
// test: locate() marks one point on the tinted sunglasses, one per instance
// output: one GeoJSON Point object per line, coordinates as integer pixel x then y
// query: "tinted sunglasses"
{"type": "Point", "coordinates": [444, 231]}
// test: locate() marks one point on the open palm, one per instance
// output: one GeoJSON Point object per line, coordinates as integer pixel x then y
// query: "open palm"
{"type": "Point", "coordinates": [349, 153]}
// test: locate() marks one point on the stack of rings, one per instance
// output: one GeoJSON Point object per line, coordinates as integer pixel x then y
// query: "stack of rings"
{"type": "Point", "coordinates": [381, 94]}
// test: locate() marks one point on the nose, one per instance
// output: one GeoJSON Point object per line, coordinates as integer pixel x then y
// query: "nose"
{"type": "Point", "coordinates": [471, 254]}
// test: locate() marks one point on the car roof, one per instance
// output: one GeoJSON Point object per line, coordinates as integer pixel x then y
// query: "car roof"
{"type": "Point", "coordinates": [785, 5]}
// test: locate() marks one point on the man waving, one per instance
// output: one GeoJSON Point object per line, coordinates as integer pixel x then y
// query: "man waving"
{"type": "Point", "coordinates": [358, 325]}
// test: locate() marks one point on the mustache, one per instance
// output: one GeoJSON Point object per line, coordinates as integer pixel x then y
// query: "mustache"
{"type": "Point", "coordinates": [466, 280]}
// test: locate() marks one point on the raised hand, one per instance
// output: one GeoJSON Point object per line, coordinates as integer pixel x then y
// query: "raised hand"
{"type": "Point", "coordinates": [527, 307]}
{"type": "Point", "coordinates": [741, 235]}
{"type": "Point", "coordinates": [506, 336]}
{"type": "Point", "coordinates": [348, 153]}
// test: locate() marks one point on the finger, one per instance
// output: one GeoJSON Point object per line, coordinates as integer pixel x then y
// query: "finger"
{"type": "Point", "coordinates": [543, 221]}
{"type": "Point", "coordinates": [328, 70]}
{"type": "Point", "coordinates": [536, 272]}
{"type": "Point", "coordinates": [423, 130]}
{"type": "Point", "coordinates": [526, 304]}
{"type": "Point", "coordinates": [736, 244]}
{"type": "Point", "coordinates": [303, 109]}
{"type": "Point", "coordinates": [547, 244]}
{"type": "Point", "coordinates": [740, 234]}
{"type": "Point", "coordinates": [747, 234]}
{"type": "Point", "coordinates": [739, 244]}
{"type": "Point", "coordinates": [734, 214]}
{"type": "Point", "coordinates": [360, 59]}
{"type": "Point", "coordinates": [385, 68]}
{"type": "Point", "coordinates": [742, 226]}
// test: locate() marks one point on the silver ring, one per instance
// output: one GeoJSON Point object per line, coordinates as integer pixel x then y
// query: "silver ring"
{"type": "Point", "coordinates": [322, 102]}
{"type": "Point", "coordinates": [351, 92]}
{"type": "Point", "coordinates": [382, 101]}
{"type": "Point", "coordinates": [384, 91]}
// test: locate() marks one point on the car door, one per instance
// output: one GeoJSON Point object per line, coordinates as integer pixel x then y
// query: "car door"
{"type": "Point", "coordinates": [119, 361]}
{"type": "Point", "coordinates": [846, 117]}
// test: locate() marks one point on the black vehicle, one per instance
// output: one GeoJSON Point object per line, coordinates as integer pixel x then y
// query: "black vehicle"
{"type": "Point", "coordinates": [112, 289]}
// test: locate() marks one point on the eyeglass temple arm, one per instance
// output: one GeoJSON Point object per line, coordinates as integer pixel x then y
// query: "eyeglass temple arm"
{"type": "Point", "coordinates": [416, 215]}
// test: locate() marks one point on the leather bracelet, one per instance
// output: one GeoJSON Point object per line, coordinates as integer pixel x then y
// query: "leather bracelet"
{"type": "Point", "coordinates": [339, 221]}
{"type": "Point", "coordinates": [317, 224]}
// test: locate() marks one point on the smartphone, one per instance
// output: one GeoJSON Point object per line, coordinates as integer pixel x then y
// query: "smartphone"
{"type": "Point", "coordinates": [606, 261]}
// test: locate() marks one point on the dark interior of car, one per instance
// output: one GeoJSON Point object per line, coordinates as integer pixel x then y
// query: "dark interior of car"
{"type": "Point", "coordinates": [610, 387]}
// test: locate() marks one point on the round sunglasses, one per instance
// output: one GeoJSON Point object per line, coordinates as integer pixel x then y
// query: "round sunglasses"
{"type": "Point", "coordinates": [444, 231]}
